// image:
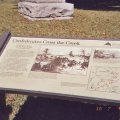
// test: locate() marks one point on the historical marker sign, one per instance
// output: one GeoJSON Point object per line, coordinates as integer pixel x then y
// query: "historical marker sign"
{"type": "Point", "coordinates": [79, 68]}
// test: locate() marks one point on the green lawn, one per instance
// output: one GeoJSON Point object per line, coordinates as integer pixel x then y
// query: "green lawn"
{"type": "Point", "coordinates": [85, 24]}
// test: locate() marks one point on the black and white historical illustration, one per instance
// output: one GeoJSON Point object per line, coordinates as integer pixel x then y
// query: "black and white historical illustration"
{"type": "Point", "coordinates": [62, 60]}
{"type": "Point", "coordinates": [105, 79]}
{"type": "Point", "coordinates": [107, 54]}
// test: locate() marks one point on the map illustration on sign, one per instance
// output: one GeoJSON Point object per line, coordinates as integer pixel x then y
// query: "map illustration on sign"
{"type": "Point", "coordinates": [106, 79]}
{"type": "Point", "coordinates": [66, 60]}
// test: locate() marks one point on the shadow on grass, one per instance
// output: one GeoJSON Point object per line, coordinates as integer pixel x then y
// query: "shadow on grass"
{"type": "Point", "coordinates": [5, 111]}
{"type": "Point", "coordinates": [52, 109]}
{"type": "Point", "coordinates": [99, 5]}
{"type": "Point", "coordinates": [103, 5]}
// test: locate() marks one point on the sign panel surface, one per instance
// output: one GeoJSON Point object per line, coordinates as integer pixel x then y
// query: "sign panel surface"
{"type": "Point", "coordinates": [86, 68]}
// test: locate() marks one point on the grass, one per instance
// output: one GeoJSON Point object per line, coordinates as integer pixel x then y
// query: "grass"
{"type": "Point", "coordinates": [85, 24]}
